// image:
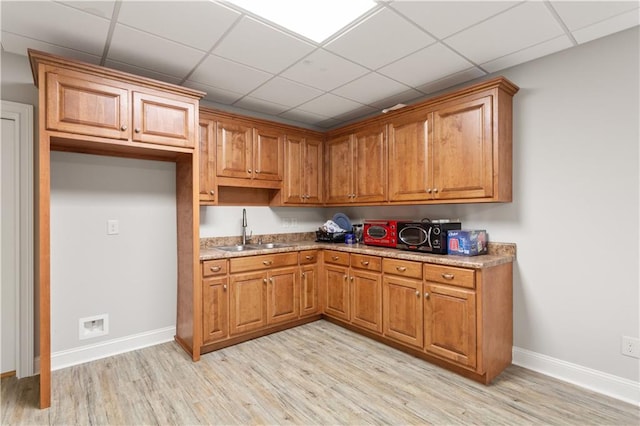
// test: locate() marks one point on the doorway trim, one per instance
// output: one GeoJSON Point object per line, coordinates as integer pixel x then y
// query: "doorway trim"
{"type": "Point", "coordinates": [22, 114]}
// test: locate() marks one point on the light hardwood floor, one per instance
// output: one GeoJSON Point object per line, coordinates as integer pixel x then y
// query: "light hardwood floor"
{"type": "Point", "coordinates": [318, 373]}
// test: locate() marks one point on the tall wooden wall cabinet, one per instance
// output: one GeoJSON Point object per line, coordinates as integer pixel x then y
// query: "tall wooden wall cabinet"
{"type": "Point", "coordinates": [91, 109]}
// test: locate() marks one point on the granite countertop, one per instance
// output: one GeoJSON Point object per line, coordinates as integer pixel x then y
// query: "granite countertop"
{"type": "Point", "coordinates": [499, 253]}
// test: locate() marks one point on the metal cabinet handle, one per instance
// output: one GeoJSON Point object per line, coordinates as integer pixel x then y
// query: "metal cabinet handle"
{"type": "Point", "coordinates": [428, 190]}
{"type": "Point", "coordinates": [137, 130]}
{"type": "Point", "coordinates": [365, 262]}
{"type": "Point", "coordinates": [351, 278]}
{"type": "Point", "coordinates": [267, 262]}
{"type": "Point", "coordinates": [304, 275]}
{"type": "Point", "coordinates": [248, 170]}
{"type": "Point", "coordinates": [309, 257]}
{"type": "Point", "coordinates": [224, 287]}
{"type": "Point", "coordinates": [271, 279]}
{"type": "Point", "coordinates": [435, 190]}
{"type": "Point", "coordinates": [215, 269]}
{"type": "Point", "coordinates": [401, 268]}
{"type": "Point", "coordinates": [426, 295]}
{"type": "Point", "coordinates": [212, 192]}
{"type": "Point", "coordinates": [335, 257]}
{"type": "Point", "coordinates": [123, 127]}
{"type": "Point", "coordinates": [345, 277]}
{"type": "Point", "coordinates": [418, 293]}
{"type": "Point", "coordinates": [264, 280]}
{"type": "Point", "coordinates": [448, 276]}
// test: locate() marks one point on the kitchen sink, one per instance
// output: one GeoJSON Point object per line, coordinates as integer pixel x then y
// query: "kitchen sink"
{"type": "Point", "coordinates": [269, 246]}
{"type": "Point", "coordinates": [238, 247]}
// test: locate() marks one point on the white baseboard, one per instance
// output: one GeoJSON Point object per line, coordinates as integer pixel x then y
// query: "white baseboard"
{"type": "Point", "coordinates": [82, 354]}
{"type": "Point", "coordinates": [597, 381]}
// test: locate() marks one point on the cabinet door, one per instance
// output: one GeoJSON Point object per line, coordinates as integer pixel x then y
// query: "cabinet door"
{"type": "Point", "coordinates": [336, 284]}
{"type": "Point", "coordinates": [234, 149]}
{"type": "Point", "coordinates": [215, 314]}
{"type": "Point", "coordinates": [207, 162]}
{"type": "Point", "coordinates": [267, 154]}
{"type": "Point", "coordinates": [163, 120]}
{"type": "Point", "coordinates": [248, 310]}
{"type": "Point", "coordinates": [366, 288]}
{"type": "Point", "coordinates": [402, 310]}
{"type": "Point", "coordinates": [370, 165]}
{"type": "Point", "coordinates": [97, 108]}
{"type": "Point", "coordinates": [409, 158]}
{"type": "Point", "coordinates": [339, 155]}
{"type": "Point", "coordinates": [283, 303]}
{"type": "Point", "coordinates": [463, 150]}
{"type": "Point", "coordinates": [312, 171]}
{"type": "Point", "coordinates": [309, 290]}
{"type": "Point", "coordinates": [293, 170]}
{"type": "Point", "coordinates": [450, 323]}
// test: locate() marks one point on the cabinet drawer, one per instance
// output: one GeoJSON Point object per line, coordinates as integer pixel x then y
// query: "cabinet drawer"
{"type": "Point", "coordinates": [268, 261]}
{"type": "Point", "coordinates": [450, 275]}
{"type": "Point", "coordinates": [403, 268]}
{"type": "Point", "coordinates": [214, 267]}
{"type": "Point", "coordinates": [371, 263]}
{"type": "Point", "coordinates": [336, 257]}
{"type": "Point", "coordinates": [308, 257]}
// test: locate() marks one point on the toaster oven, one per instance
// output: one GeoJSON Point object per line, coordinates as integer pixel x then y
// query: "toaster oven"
{"type": "Point", "coordinates": [382, 233]}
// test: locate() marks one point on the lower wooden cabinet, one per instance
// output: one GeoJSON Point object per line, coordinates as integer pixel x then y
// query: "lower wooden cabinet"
{"type": "Point", "coordinates": [309, 283]}
{"type": "Point", "coordinates": [215, 309]}
{"type": "Point", "coordinates": [283, 295]}
{"type": "Point", "coordinates": [248, 310]}
{"type": "Point", "coordinates": [402, 306]}
{"type": "Point", "coordinates": [336, 292]}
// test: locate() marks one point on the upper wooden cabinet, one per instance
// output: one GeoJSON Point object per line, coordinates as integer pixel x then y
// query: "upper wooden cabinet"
{"type": "Point", "coordinates": [254, 154]}
{"type": "Point", "coordinates": [356, 167]}
{"type": "Point", "coordinates": [208, 184]}
{"type": "Point", "coordinates": [303, 170]}
{"type": "Point", "coordinates": [99, 106]}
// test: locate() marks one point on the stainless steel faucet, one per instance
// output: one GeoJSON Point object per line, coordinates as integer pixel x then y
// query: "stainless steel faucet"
{"type": "Point", "coordinates": [244, 226]}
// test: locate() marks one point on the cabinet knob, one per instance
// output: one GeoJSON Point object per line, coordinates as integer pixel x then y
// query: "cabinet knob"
{"type": "Point", "coordinates": [248, 170]}
{"type": "Point", "coordinates": [137, 130]}
{"type": "Point", "coordinates": [264, 280]}
{"type": "Point", "coordinates": [215, 269]}
{"type": "Point", "coordinates": [428, 190]}
{"type": "Point", "coordinates": [271, 279]}
{"type": "Point", "coordinates": [257, 171]}
{"type": "Point", "coordinates": [267, 262]}
{"type": "Point", "coordinates": [418, 293]}
{"type": "Point", "coordinates": [224, 287]}
{"type": "Point", "coordinates": [426, 295]}
{"type": "Point", "coordinates": [435, 190]}
{"type": "Point", "coordinates": [335, 257]}
{"type": "Point", "coordinates": [401, 268]}
{"type": "Point", "coordinates": [344, 278]}
{"type": "Point", "coordinates": [351, 278]}
{"type": "Point", "coordinates": [212, 192]}
{"type": "Point", "coordinates": [304, 275]}
{"type": "Point", "coordinates": [308, 257]}
{"type": "Point", "coordinates": [364, 262]}
{"type": "Point", "coordinates": [448, 276]}
{"type": "Point", "coordinates": [123, 127]}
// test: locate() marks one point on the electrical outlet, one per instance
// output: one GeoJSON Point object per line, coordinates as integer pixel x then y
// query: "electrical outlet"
{"type": "Point", "coordinates": [113, 227]}
{"type": "Point", "coordinates": [630, 346]}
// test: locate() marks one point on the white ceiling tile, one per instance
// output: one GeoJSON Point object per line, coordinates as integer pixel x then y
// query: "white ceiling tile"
{"type": "Point", "coordinates": [357, 113]}
{"type": "Point", "coordinates": [371, 88]}
{"type": "Point", "coordinates": [529, 54]}
{"type": "Point", "coordinates": [142, 72]}
{"type": "Point", "coordinates": [324, 71]}
{"type": "Point", "coordinates": [579, 14]}
{"type": "Point", "coordinates": [303, 116]}
{"type": "Point", "coordinates": [452, 80]}
{"type": "Point", "coordinates": [431, 63]}
{"type": "Point", "coordinates": [102, 8]}
{"type": "Point", "coordinates": [198, 24]}
{"type": "Point", "coordinates": [329, 105]}
{"type": "Point", "coordinates": [56, 24]}
{"type": "Point", "coordinates": [400, 98]}
{"type": "Point", "coordinates": [329, 123]}
{"type": "Point", "coordinates": [224, 74]}
{"type": "Point", "coordinates": [270, 49]}
{"type": "Point", "coordinates": [518, 28]}
{"type": "Point", "coordinates": [285, 92]}
{"type": "Point", "coordinates": [380, 39]}
{"type": "Point", "coordinates": [266, 107]}
{"type": "Point", "coordinates": [151, 52]}
{"type": "Point", "coordinates": [608, 26]}
{"type": "Point", "coordinates": [443, 18]}
{"type": "Point", "coordinates": [19, 45]}
{"type": "Point", "coordinates": [215, 94]}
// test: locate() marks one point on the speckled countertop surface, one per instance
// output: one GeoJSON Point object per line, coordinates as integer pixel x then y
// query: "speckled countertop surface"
{"type": "Point", "coordinates": [499, 253]}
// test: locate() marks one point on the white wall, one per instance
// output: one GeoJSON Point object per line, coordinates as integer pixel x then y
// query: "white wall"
{"type": "Point", "coordinates": [130, 276]}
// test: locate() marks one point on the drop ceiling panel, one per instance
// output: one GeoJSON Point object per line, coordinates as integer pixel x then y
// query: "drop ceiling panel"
{"type": "Point", "coordinates": [428, 64]}
{"type": "Point", "coordinates": [285, 92]}
{"type": "Point", "coordinates": [452, 80]}
{"type": "Point", "coordinates": [608, 26]}
{"type": "Point", "coordinates": [255, 104]}
{"type": "Point", "coordinates": [443, 18]}
{"type": "Point", "coordinates": [374, 87]}
{"type": "Point", "coordinates": [224, 74]}
{"type": "Point", "coordinates": [215, 94]}
{"type": "Point", "coordinates": [518, 28]}
{"type": "Point", "coordinates": [391, 35]}
{"type": "Point", "coordinates": [324, 70]}
{"type": "Point", "coordinates": [56, 24]}
{"type": "Point", "coordinates": [260, 53]}
{"type": "Point", "coordinates": [305, 117]}
{"type": "Point", "coordinates": [102, 8]}
{"type": "Point", "coordinates": [142, 72]}
{"type": "Point", "coordinates": [151, 52]}
{"type": "Point", "coordinates": [19, 45]}
{"type": "Point", "coordinates": [525, 55]}
{"type": "Point", "coordinates": [200, 25]}
{"type": "Point", "coordinates": [579, 14]}
{"type": "Point", "coordinates": [329, 105]}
